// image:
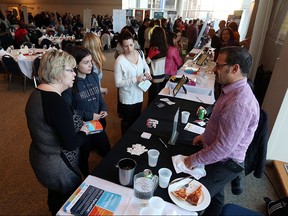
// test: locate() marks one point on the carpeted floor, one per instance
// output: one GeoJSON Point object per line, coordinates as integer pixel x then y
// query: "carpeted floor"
{"type": "Point", "coordinates": [21, 194]}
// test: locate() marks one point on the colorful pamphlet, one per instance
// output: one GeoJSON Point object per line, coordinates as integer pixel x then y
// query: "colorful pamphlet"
{"type": "Point", "coordinates": [90, 200]}
{"type": "Point", "coordinates": [94, 126]}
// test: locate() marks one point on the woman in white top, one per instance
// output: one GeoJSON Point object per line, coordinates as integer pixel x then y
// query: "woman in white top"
{"type": "Point", "coordinates": [130, 69]}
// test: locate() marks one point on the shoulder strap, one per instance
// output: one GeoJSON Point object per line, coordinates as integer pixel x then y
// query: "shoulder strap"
{"type": "Point", "coordinates": [140, 52]}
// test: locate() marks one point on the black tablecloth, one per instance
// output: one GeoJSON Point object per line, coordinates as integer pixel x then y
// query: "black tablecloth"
{"type": "Point", "coordinates": [165, 115]}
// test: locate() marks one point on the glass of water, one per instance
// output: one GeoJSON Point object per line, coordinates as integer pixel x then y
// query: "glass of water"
{"type": "Point", "coordinates": [33, 48]}
{"type": "Point", "coordinates": [30, 51]}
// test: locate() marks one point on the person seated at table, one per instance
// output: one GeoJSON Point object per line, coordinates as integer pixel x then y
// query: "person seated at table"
{"type": "Point", "coordinates": [21, 35]}
{"type": "Point", "coordinates": [54, 151]}
{"type": "Point", "coordinates": [129, 70]}
{"type": "Point", "coordinates": [173, 59]}
{"type": "Point", "coordinates": [86, 98]}
{"type": "Point", "coordinates": [60, 28]}
{"type": "Point", "coordinates": [77, 32]}
{"type": "Point", "coordinates": [93, 44]}
{"type": "Point", "coordinates": [50, 30]}
{"type": "Point", "coordinates": [231, 127]}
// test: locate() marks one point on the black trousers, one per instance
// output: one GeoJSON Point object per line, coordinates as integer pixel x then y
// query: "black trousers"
{"type": "Point", "coordinates": [129, 114]}
{"type": "Point", "coordinates": [99, 142]}
{"type": "Point", "coordinates": [217, 176]}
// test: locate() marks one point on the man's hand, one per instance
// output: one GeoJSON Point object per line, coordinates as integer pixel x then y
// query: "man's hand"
{"type": "Point", "coordinates": [188, 163]}
{"type": "Point", "coordinates": [197, 140]}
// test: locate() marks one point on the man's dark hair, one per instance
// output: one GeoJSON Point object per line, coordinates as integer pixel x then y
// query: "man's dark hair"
{"type": "Point", "coordinates": [238, 55]}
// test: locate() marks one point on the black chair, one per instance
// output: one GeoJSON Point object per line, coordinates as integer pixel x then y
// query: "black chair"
{"type": "Point", "coordinates": [55, 45]}
{"type": "Point", "coordinates": [28, 44]}
{"type": "Point", "coordinates": [46, 42]}
{"type": "Point", "coordinates": [13, 69]}
{"type": "Point", "coordinates": [36, 64]}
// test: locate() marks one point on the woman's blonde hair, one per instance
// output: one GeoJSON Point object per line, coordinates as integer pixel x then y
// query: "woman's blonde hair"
{"type": "Point", "coordinates": [52, 65]}
{"type": "Point", "coordinates": [93, 43]}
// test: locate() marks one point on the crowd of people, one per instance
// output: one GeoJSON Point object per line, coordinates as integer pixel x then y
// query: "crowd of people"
{"type": "Point", "coordinates": [71, 93]}
{"type": "Point", "coordinates": [52, 22]}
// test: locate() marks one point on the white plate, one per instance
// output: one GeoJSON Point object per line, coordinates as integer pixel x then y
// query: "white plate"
{"type": "Point", "coordinates": [203, 202]}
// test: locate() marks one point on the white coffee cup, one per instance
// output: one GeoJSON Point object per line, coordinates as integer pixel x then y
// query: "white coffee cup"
{"type": "Point", "coordinates": [153, 155]}
{"type": "Point", "coordinates": [164, 177]}
{"type": "Point", "coordinates": [157, 204]}
{"type": "Point", "coordinates": [185, 116]}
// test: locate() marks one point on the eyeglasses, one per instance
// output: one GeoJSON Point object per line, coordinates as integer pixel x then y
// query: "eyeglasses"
{"type": "Point", "coordinates": [70, 70]}
{"type": "Point", "coordinates": [219, 66]}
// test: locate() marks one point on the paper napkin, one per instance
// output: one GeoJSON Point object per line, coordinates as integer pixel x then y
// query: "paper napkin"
{"type": "Point", "coordinates": [137, 149]}
{"type": "Point", "coordinates": [179, 166]}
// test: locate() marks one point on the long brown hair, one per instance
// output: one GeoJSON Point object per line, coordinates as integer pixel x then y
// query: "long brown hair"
{"type": "Point", "coordinates": [158, 39]}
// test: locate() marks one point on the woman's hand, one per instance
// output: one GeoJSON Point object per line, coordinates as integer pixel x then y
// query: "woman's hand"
{"type": "Point", "coordinates": [148, 76]}
{"type": "Point", "coordinates": [103, 114]}
{"type": "Point", "coordinates": [84, 129]}
{"type": "Point", "coordinates": [96, 116]}
{"type": "Point", "coordinates": [140, 78]}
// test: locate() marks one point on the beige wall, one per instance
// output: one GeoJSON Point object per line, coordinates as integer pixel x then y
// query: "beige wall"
{"type": "Point", "coordinates": [98, 7]}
